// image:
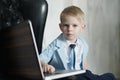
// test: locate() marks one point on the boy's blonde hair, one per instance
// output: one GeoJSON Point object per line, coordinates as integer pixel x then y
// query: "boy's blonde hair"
{"type": "Point", "coordinates": [73, 11]}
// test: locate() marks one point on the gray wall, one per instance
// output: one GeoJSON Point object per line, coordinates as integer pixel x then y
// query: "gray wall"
{"type": "Point", "coordinates": [102, 32]}
{"type": "Point", "coordinates": [104, 35]}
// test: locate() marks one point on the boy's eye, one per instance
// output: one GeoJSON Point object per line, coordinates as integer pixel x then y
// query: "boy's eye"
{"type": "Point", "coordinates": [74, 25]}
{"type": "Point", "coordinates": [66, 25]}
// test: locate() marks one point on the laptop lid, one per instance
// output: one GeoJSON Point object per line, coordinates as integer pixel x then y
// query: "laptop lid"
{"type": "Point", "coordinates": [18, 52]}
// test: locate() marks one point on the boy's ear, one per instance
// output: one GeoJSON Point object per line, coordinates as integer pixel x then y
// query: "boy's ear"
{"type": "Point", "coordinates": [60, 26]}
{"type": "Point", "coordinates": [83, 26]}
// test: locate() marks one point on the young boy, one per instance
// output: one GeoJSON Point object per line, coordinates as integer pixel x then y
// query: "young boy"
{"type": "Point", "coordinates": [69, 50]}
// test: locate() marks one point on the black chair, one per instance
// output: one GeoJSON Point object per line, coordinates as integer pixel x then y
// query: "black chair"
{"type": "Point", "coordinates": [13, 12]}
{"type": "Point", "coordinates": [36, 11]}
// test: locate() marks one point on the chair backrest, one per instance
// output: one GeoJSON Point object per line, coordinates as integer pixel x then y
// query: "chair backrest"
{"type": "Point", "coordinates": [36, 11]}
{"type": "Point", "coordinates": [13, 12]}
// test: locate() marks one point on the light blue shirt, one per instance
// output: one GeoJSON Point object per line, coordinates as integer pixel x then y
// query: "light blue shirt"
{"type": "Point", "coordinates": [54, 54]}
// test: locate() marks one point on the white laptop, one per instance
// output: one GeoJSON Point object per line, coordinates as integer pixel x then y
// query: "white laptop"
{"type": "Point", "coordinates": [20, 55]}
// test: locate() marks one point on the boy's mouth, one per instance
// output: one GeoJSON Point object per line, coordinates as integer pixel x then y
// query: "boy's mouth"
{"type": "Point", "coordinates": [69, 34]}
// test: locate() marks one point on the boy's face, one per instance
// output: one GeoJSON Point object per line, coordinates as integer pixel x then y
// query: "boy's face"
{"type": "Point", "coordinates": [71, 27]}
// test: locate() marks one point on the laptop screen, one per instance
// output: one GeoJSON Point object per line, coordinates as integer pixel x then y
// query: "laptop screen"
{"type": "Point", "coordinates": [18, 53]}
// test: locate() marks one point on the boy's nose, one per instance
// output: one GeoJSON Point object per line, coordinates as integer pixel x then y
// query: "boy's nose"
{"type": "Point", "coordinates": [70, 27]}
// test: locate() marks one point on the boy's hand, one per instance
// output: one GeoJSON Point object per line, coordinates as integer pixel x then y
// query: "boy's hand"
{"type": "Point", "coordinates": [48, 68]}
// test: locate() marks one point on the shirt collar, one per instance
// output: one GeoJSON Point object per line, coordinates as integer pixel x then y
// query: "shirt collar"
{"type": "Point", "coordinates": [67, 42]}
